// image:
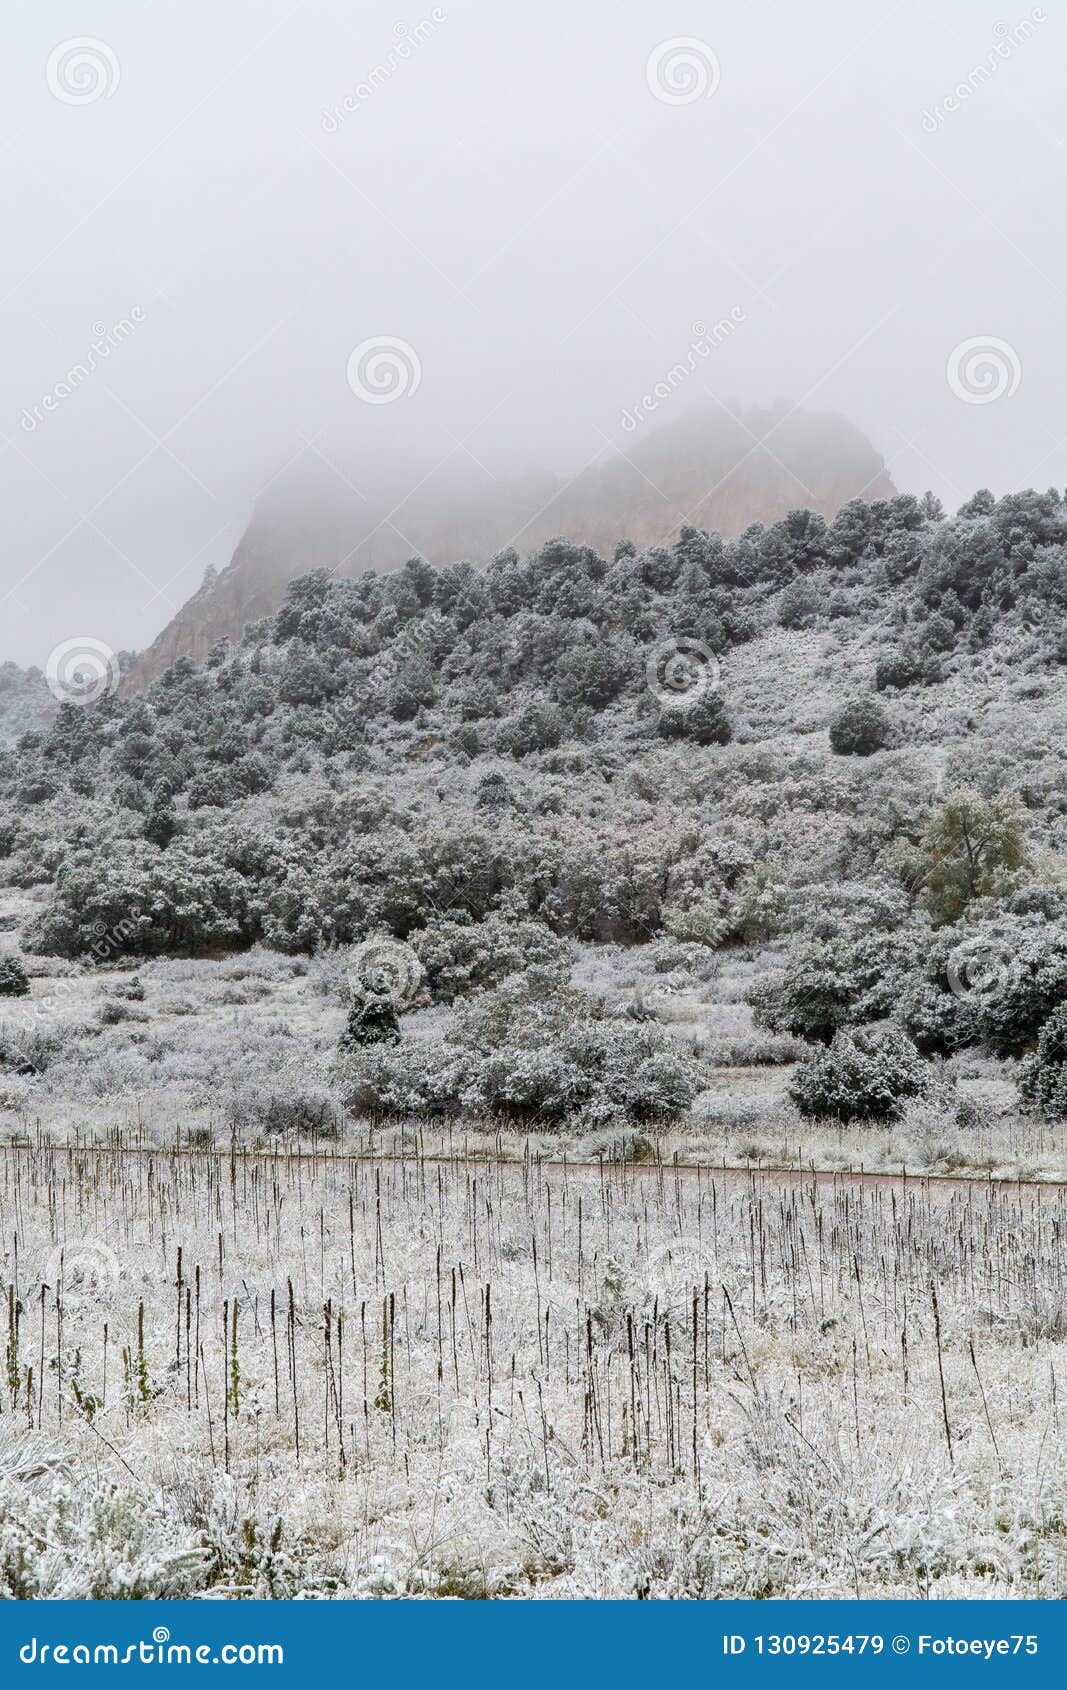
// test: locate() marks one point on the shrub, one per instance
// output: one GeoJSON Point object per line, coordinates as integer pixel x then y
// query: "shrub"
{"type": "Point", "coordinates": [994, 981]}
{"type": "Point", "coordinates": [14, 981]}
{"type": "Point", "coordinates": [701, 921]}
{"type": "Point", "coordinates": [284, 1107]}
{"type": "Point", "coordinates": [531, 1050]}
{"type": "Point", "coordinates": [115, 1010]}
{"type": "Point", "coordinates": [1043, 1079]}
{"type": "Point", "coordinates": [1015, 972]}
{"type": "Point", "coordinates": [706, 720]}
{"type": "Point", "coordinates": [493, 792]}
{"type": "Point", "coordinates": [461, 957]}
{"type": "Point", "coordinates": [901, 668]}
{"type": "Point", "coordinates": [27, 1049]}
{"type": "Point", "coordinates": [801, 603]}
{"type": "Point", "coordinates": [867, 1073]}
{"type": "Point", "coordinates": [859, 728]}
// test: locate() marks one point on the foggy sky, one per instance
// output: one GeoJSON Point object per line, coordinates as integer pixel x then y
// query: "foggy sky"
{"type": "Point", "coordinates": [260, 187]}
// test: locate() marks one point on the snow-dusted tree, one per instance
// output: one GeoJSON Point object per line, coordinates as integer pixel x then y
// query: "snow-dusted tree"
{"type": "Point", "coordinates": [859, 728]}
{"type": "Point", "coordinates": [161, 820]}
{"type": "Point", "coordinates": [972, 847]}
{"type": "Point", "coordinates": [867, 1073]}
{"type": "Point", "coordinates": [372, 1020]}
{"type": "Point", "coordinates": [1043, 1080]}
{"type": "Point", "coordinates": [14, 981]}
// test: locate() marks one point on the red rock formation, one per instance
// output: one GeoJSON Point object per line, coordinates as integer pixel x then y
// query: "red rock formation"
{"type": "Point", "coordinates": [702, 469]}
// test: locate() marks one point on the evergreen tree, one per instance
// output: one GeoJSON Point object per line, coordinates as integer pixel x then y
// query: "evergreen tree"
{"type": "Point", "coordinates": [859, 728]}
{"type": "Point", "coordinates": [372, 1020]}
{"type": "Point", "coordinates": [161, 821]}
{"type": "Point", "coordinates": [14, 981]}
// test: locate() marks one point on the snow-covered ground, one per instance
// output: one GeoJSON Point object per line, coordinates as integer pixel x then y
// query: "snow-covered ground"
{"type": "Point", "coordinates": [180, 1050]}
{"type": "Point", "coordinates": [279, 1350]}
{"type": "Point", "coordinates": [268, 1375]}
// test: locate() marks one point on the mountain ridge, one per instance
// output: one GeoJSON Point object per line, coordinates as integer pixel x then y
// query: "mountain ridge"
{"type": "Point", "coordinates": [719, 473]}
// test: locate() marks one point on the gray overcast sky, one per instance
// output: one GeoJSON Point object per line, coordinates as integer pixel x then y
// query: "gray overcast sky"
{"type": "Point", "coordinates": [513, 198]}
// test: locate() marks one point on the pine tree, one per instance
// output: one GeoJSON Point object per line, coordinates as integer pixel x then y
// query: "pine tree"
{"type": "Point", "coordinates": [14, 981]}
{"type": "Point", "coordinates": [372, 1020]}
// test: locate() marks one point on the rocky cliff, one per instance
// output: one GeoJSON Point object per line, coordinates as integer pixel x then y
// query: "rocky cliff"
{"type": "Point", "coordinates": [705, 469]}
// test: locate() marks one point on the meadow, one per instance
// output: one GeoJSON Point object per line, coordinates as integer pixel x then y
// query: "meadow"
{"type": "Point", "coordinates": [273, 1373]}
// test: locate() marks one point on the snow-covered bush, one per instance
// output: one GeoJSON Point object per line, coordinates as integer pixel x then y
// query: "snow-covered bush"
{"type": "Point", "coordinates": [994, 981]}
{"type": "Point", "coordinates": [832, 983]}
{"type": "Point", "coordinates": [1020, 970]}
{"type": "Point", "coordinates": [537, 727]}
{"type": "Point", "coordinates": [28, 1046]}
{"type": "Point", "coordinates": [802, 602]}
{"type": "Point", "coordinates": [865, 1073]}
{"type": "Point", "coordinates": [460, 957]}
{"type": "Point", "coordinates": [287, 1106]}
{"type": "Point", "coordinates": [1043, 1078]}
{"type": "Point", "coordinates": [68, 1537]}
{"type": "Point", "coordinates": [706, 720]}
{"type": "Point", "coordinates": [531, 1050]}
{"type": "Point", "coordinates": [859, 728]}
